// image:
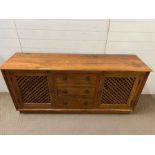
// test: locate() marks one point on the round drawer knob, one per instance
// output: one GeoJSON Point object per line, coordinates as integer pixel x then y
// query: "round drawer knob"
{"type": "Point", "coordinates": [65, 91]}
{"type": "Point", "coordinates": [64, 78]}
{"type": "Point", "coordinates": [85, 103]}
{"type": "Point", "coordinates": [87, 78]}
{"type": "Point", "coordinates": [87, 91]}
{"type": "Point", "coordinates": [65, 103]}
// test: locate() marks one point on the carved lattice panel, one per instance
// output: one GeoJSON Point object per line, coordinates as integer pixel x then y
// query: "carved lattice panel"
{"type": "Point", "coordinates": [33, 89]}
{"type": "Point", "coordinates": [116, 90]}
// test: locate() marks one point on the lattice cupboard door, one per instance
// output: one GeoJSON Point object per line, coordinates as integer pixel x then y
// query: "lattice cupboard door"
{"type": "Point", "coordinates": [117, 90]}
{"type": "Point", "coordinates": [34, 89]}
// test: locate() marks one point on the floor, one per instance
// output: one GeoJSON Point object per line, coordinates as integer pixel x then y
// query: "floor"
{"type": "Point", "coordinates": [142, 121]}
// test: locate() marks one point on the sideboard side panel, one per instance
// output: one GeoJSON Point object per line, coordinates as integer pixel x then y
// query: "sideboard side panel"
{"type": "Point", "coordinates": [142, 81]}
{"type": "Point", "coordinates": [10, 86]}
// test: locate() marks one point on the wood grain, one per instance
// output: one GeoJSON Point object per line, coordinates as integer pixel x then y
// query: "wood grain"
{"type": "Point", "coordinates": [75, 83]}
{"type": "Point", "coordinates": [75, 62]}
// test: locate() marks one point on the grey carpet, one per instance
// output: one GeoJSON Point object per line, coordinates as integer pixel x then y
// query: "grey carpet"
{"type": "Point", "coordinates": [142, 121]}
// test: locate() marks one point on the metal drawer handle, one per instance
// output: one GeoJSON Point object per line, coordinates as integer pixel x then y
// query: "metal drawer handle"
{"type": "Point", "coordinates": [64, 78]}
{"type": "Point", "coordinates": [85, 103]}
{"type": "Point", "coordinates": [65, 91]}
{"type": "Point", "coordinates": [87, 91]}
{"type": "Point", "coordinates": [65, 103]}
{"type": "Point", "coordinates": [87, 78]}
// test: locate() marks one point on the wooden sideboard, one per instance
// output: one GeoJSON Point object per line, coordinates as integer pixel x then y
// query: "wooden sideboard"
{"type": "Point", "coordinates": [75, 83]}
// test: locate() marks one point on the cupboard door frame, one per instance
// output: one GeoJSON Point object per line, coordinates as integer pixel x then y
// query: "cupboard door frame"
{"type": "Point", "coordinates": [132, 92]}
{"type": "Point", "coordinates": [50, 83]}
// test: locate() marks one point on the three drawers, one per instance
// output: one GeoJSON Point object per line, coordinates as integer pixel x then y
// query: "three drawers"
{"type": "Point", "coordinates": [75, 90]}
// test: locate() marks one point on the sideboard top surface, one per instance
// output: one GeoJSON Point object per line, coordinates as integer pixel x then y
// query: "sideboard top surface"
{"type": "Point", "coordinates": [76, 62]}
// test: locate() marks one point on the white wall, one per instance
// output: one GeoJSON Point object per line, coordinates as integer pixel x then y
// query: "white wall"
{"type": "Point", "coordinates": [80, 36]}
{"type": "Point", "coordinates": [9, 44]}
{"type": "Point", "coordinates": [134, 37]}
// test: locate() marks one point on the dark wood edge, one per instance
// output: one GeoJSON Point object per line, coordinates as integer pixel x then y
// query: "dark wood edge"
{"type": "Point", "coordinates": [51, 88]}
{"type": "Point", "coordinates": [139, 90]}
{"type": "Point", "coordinates": [78, 111]}
{"type": "Point", "coordinates": [77, 70]}
{"type": "Point", "coordinates": [133, 90]}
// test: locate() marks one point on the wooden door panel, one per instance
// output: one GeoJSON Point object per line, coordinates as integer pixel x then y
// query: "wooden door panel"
{"type": "Point", "coordinates": [34, 89]}
{"type": "Point", "coordinates": [117, 90]}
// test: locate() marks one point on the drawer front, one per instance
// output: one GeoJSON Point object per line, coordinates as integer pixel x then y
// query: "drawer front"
{"type": "Point", "coordinates": [76, 78]}
{"type": "Point", "coordinates": [76, 91]}
{"type": "Point", "coordinates": [70, 102]}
